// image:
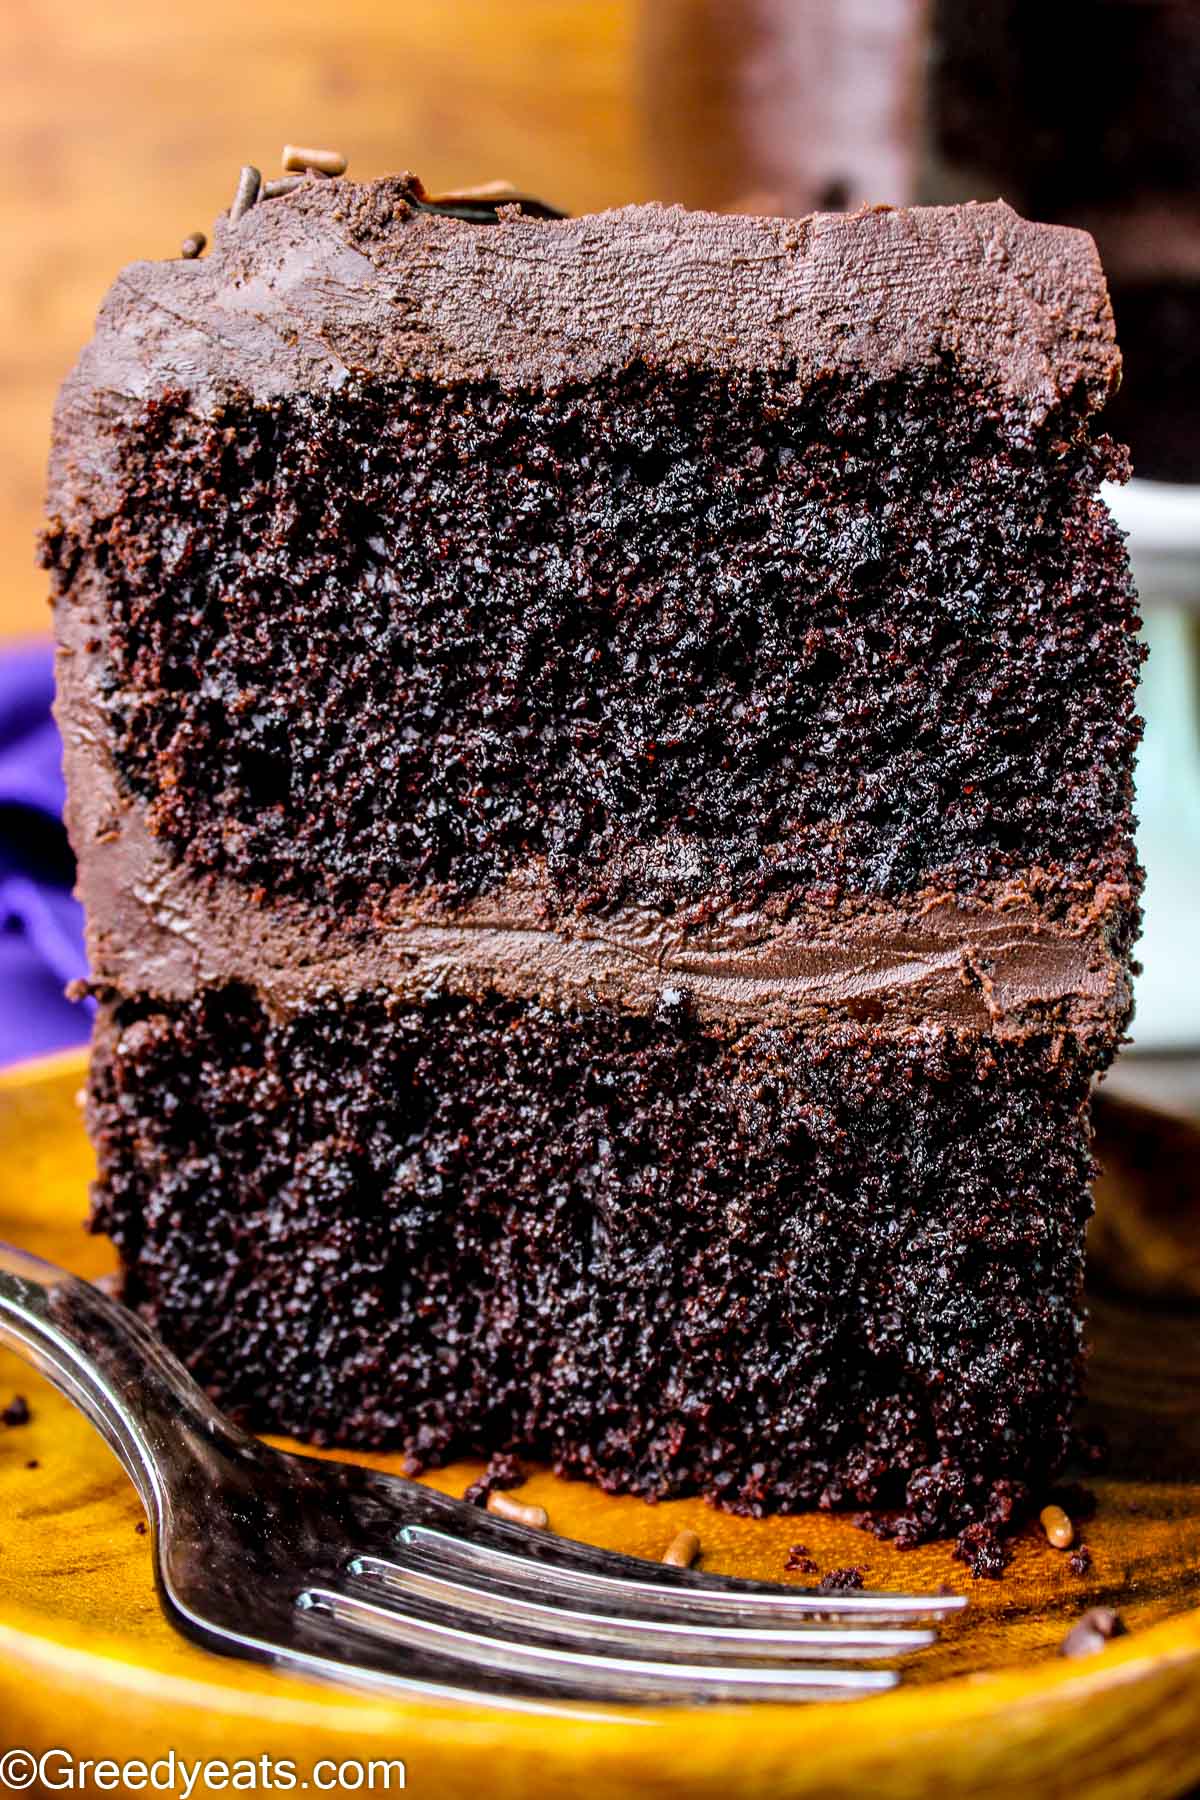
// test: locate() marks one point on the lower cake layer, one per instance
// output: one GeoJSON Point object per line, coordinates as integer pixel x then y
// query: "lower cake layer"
{"type": "Point", "coordinates": [783, 1268]}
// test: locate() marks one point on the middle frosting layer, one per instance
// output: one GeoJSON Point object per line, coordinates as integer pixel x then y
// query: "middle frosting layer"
{"type": "Point", "coordinates": [1001, 965]}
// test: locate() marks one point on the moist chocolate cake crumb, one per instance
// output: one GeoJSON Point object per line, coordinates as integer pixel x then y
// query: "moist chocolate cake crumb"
{"type": "Point", "coordinates": [1080, 1561]}
{"type": "Point", "coordinates": [1093, 1631]}
{"type": "Point", "coordinates": [983, 1550]}
{"type": "Point", "coordinates": [503, 1471]}
{"type": "Point", "coordinates": [16, 1412]}
{"type": "Point", "coordinates": [799, 1562]}
{"type": "Point", "coordinates": [841, 1581]}
{"type": "Point", "coordinates": [140, 1527]}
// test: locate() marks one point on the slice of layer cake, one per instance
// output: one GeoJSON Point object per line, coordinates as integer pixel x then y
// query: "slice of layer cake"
{"type": "Point", "coordinates": [600, 763]}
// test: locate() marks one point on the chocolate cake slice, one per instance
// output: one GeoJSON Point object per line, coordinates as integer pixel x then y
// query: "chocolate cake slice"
{"type": "Point", "coordinates": [599, 756]}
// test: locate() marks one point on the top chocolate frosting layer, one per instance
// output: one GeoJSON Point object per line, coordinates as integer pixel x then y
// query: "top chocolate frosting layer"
{"type": "Point", "coordinates": [342, 281]}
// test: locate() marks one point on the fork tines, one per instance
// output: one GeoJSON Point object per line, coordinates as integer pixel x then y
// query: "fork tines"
{"type": "Point", "coordinates": [539, 1617]}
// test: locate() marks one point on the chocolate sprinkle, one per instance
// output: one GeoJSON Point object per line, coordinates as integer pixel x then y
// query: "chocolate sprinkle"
{"type": "Point", "coordinates": [285, 184]}
{"type": "Point", "coordinates": [248, 187]}
{"type": "Point", "coordinates": [683, 1550]}
{"type": "Point", "coordinates": [481, 208]}
{"type": "Point", "coordinates": [1060, 1532]}
{"type": "Point", "coordinates": [192, 245]}
{"type": "Point", "coordinates": [16, 1412]}
{"type": "Point", "coordinates": [518, 1512]}
{"type": "Point", "coordinates": [1091, 1633]}
{"type": "Point", "coordinates": [324, 162]}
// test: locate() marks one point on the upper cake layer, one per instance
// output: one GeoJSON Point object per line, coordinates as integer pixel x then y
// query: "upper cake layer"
{"type": "Point", "coordinates": [718, 568]}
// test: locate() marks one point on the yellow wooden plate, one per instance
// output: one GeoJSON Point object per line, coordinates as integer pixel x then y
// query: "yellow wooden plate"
{"type": "Point", "coordinates": [87, 1663]}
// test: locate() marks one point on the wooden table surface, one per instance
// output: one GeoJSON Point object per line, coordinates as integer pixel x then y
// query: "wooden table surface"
{"type": "Point", "coordinates": [123, 125]}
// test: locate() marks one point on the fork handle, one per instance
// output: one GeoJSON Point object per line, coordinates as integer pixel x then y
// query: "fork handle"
{"type": "Point", "coordinates": [103, 1359]}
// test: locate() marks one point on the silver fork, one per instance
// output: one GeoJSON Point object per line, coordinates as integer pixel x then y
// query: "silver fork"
{"type": "Point", "coordinates": [341, 1572]}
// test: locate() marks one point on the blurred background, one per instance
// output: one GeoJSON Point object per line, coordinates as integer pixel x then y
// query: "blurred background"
{"type": "Point", "coordinates": [123, 125]}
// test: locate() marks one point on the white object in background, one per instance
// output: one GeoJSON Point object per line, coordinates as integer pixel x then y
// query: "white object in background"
{"type": "Point", "coordinates": [1163, 522]}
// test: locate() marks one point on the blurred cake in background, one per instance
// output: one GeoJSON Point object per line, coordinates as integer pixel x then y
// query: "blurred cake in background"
{"type": "Point", "coordinates": [797, 105]}
{"type": "Point", "coordinates": [1081, 113]}
{"type": "Point", "coordinates": [1086, 113]}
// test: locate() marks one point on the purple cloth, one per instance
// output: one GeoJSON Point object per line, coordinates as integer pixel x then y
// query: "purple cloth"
{"type": "Point", "coordinates": [41, 923]}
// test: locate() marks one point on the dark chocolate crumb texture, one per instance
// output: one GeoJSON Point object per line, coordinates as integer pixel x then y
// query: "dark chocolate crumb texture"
{"type": "Point", "coordinates": [600, 760]}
